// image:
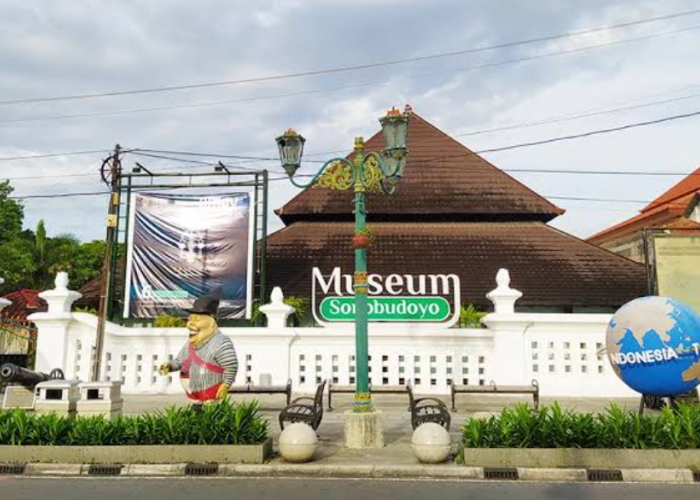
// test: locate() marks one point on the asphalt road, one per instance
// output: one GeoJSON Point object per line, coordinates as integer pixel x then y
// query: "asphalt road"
{"type": "Point", "coordinates": [317, 489]}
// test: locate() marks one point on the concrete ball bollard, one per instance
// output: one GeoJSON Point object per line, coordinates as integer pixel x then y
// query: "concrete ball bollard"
{"type": "Point", "coordinates": [431, 443]}
{"type": "Point", "coordinates": [298, 443]}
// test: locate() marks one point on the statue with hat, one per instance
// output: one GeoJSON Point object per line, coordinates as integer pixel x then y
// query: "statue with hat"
{"type": "Point", "coordinates": [207, 362]}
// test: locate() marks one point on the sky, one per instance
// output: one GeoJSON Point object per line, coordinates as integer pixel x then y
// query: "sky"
{"type": "Point", "coordinates": [78, 47]}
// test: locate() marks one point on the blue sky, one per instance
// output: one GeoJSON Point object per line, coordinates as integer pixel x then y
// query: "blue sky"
{"type": "Point", "coordinates": [76, 47]}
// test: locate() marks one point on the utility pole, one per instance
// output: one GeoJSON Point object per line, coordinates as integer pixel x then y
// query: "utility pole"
{"type": "Point", "coordinates": [106, 285]}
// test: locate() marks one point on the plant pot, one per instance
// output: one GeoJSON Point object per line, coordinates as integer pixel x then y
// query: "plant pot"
{"type": "Point", "coordinates": [360, 241]}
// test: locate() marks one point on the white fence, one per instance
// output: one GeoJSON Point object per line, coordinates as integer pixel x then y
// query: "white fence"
{"type": "Point", "coordinates": [562, 351]}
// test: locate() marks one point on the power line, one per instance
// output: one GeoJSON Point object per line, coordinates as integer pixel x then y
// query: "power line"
{"type": "Point", "coordinates": [153, 152]}
{"type": "Point", "coordinates": [101, 193]}
{"type": "Point", "coordinates": [342, 69]}
{"type": "Point", "coordinates": [496, 64]}
{"type": "Point", "coordinates": [576, 116]}
{"type": "Point", "coordinates": [591, 133]}
{"type": "Point", "coordinates": [53, 155]}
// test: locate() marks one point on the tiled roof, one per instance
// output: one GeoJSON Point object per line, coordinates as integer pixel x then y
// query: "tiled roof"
{"type": "Point", "coordinates": [24, 303]}
{"type": "Point", "coordinates": [550, 267]}
{"type": "Point", "coordinates": [689, 185]}
{"type": "Point", "coordinates": [443, 181]}
{"type": "Point", "coordinates": [658, 216]}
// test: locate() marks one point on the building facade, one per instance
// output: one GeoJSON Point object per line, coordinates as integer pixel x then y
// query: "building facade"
{"type": "Point", "coordinates": [678, 208]}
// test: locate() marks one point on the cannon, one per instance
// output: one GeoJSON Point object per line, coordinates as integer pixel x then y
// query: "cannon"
{"type": "Point", "coordinates": [13, 374]}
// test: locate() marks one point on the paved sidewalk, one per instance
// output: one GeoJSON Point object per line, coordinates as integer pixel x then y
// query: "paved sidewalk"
{"type": "Point", "coordinates": [395, 418]}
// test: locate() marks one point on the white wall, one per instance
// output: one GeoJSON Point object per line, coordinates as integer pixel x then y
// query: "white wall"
{"type": "Point", "coordinates": [563, 352]}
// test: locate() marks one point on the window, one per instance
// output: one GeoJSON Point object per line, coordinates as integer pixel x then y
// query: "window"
{"type": "Point", "coordinates": [533, 345]}
{"type": "Point", "coordinates": [433, 359]}
{"type": "Point", "coordinates": [535, 368]}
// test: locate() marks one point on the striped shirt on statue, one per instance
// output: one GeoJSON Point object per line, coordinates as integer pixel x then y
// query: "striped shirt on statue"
{"type": "Point", "coordinates": [207, 366]}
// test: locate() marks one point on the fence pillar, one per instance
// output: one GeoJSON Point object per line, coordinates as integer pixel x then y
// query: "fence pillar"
{"type": "Point", "coordinates": [277, 311]}
{"type": "Point", "coordinates": [508, 360]}
{"type": "Point", "coordinates": [54, 325]}
{"type": "Point", "coordinates": [3, 302]}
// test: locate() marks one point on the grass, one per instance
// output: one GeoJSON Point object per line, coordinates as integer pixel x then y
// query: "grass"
{"type": "Point", "coordinates": [217, 424]}
{"type": "Point", "coordinates": [552, 427]}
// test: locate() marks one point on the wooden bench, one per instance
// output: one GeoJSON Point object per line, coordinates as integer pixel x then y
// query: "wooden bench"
{"type": "Point", "coordinates": [350, 389]}
{"type": "Point", "coordinates": [533, 389]}
{"type": "Point", "coordinates": [264, 389]}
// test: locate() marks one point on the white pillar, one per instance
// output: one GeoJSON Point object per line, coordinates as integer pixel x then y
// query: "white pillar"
{"type": "Point", "coordinates": [54, 326]}
{"type": "Point", "coordinates": [3, 302]}
{"type": "Point", "coordinates": [277, 311]}
{"type": "Point", "coordinates": [508, 365]}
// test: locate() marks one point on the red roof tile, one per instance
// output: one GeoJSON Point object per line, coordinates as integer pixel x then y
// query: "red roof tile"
{"type": "Point", "coordinates": [24, 303]}
{"type": "Point", "coordinates": [689, 185]}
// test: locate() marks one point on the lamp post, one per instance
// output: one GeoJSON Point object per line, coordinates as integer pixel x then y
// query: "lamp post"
{"type": "Point", "coordinates": [365, 172]}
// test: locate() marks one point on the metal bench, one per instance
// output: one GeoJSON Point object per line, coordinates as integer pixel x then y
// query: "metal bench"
{"type": "Point", "coordinates": [533, 389]}
{"type": "Point", "coordinates": [264, 389]}
{"type": "Point", "coordinates": [305, 409]}
{"type": "Point", "coordinates": [350, 389]}
{"type": "Point", "coordinates": [428, 409]}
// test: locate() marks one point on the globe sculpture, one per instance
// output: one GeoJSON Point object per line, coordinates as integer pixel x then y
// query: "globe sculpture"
{"type": "Point", "coordinates": [653, 344]}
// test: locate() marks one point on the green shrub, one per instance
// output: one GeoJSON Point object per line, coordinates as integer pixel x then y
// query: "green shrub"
{"type": "Point", "coordinates": [168, 321]}
{"type": "Point", "coordinates": [470, 317]}
{"type": "Point", "coordinates": [218, 423]}
{"type": "Point", "coordinates": [87, 310]}
{"type": "Point", "coordinates": [551, 427]}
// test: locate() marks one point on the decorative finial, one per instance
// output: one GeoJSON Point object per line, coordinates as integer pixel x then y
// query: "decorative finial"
{"type": "Point", "coordinates": [61, 281]}
{"type": "Point", "coordinates": [408, 109]}
{"type": "Point", "coordinates": [277, 297]}
{"type": "Point", "coordinates": [359, 142]}
{"type": "Point", "coordinates": [291, 131]}
{"type": "Point", "coordinates": [393, 112]}
{"type": "Point", "coordinates": [503, 278]}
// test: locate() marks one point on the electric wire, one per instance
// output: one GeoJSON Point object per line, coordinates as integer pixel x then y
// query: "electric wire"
{"type": "Point", "coordinates": [496, 64]}
{"type": "Point", "coordinates": [342, 69]}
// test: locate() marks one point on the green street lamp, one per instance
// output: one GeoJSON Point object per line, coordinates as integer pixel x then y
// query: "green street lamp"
{"type": "Point", "coordinates": [365, 172]}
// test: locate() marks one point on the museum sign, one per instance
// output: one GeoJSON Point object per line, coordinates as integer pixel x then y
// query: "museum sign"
{"type": "Point", "coordinates": [432, 298]}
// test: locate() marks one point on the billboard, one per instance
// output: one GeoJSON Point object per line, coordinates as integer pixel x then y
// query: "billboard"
{"type": "Point", "coordinates": [677, 261]}
{"type": "Point", "coordinates": [182, 247]}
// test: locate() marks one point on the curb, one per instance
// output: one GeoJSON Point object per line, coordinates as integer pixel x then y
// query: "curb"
{"type": "Point", "coordinates": [287, 470]}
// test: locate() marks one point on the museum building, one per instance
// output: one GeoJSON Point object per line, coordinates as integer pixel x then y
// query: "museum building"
{"type": "Point", "coordinates": [452, 212]}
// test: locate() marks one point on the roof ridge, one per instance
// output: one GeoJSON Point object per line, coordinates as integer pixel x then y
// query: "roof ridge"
{"type": "Point", "coordinates": [494, 167]}
{"type": "Point", "coordinates": [660, 200]}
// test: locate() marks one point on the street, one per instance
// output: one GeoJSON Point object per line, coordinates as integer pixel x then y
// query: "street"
{"type": "Point", "coordinates": [12, 488]}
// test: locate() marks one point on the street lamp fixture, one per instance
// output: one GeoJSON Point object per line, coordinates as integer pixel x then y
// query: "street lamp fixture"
{"type": "Point", "coordinates": [365, 172]}
{"type": "Point", "coordinates": [291, 147]}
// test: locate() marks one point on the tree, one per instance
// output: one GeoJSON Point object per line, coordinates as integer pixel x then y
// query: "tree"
{"type": "Point", "coordinates": [17, 265]}
{"type": "Point", "coordinates": [11, 214]}
{"type": "Point", "coordinates": [40, 241]}
{"type": "Point", "coordinates": [87, 263]}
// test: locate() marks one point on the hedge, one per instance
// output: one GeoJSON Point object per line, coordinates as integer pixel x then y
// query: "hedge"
{"type": "Point", "coordinates": [218, 423]}
{"type": "Point", "coordinates": [551, 427]}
